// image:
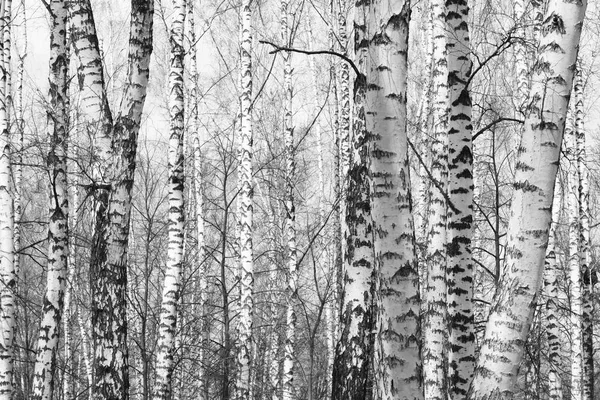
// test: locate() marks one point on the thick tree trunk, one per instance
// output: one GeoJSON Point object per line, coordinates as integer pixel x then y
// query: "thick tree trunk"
{"type": "Point", "coordinates": [245, 209]}
{"type": "Point", "coordinates": [351, 370]}
{"type": "Point", "coordinates": [113, 170]}
{"type": "Point", "coordinates": [58, 250]}
{"type": "Point", "coordinates": [512, 309]}
{"type": "Point", "coordinates": [397, 362]}
{"type": "Point", "coordinates": [459, 273]}
{"type": "Point", "coordinates": [172, 285]}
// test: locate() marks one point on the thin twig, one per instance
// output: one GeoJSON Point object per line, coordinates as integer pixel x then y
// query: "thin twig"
{"type": "Point", "coordinates": [435, 182]}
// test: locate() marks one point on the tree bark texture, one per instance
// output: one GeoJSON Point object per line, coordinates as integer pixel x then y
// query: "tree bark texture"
{"type": "Point", "coordinates": [529, 223]}
{"type": "Point", "coordinates": [397, 364]}
{"type": "Point", "coordinates": [167, 328]}
{"type": "Point", "coordinates": [58, 202]}
{"type": "Point", "coordinates": [459, 273]}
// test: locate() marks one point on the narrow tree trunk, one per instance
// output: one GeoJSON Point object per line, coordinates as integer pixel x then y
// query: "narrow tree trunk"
{"type": "Point", "coordinates": [459, 273]}
{"type": "Point", "coordinates": [434, 326]}
{"type": "Point", "coordinates": [202, 264]}
{"type": "Point", "coordinates": [7, 266]}
{"type": "Point", "coordinates": [574, 268]}
{"type": "Point", "coordinates": [58, 250]}
{"type": "Point", "coordinates": [69, 321]}
{"type": "Point", "coordinates": [290, 220]}
{"type": "Point", "coordinates": [338, 256]}
{"type": "Point", "coordinates": [521, 56]}
{"type": "Point", "coordinates": [245, 208]}
{"type": "Point", "coordinates": [397, 362]}
{"type": "Point", "coordinates": [552, 274]}
{"type": "Point", "coordinates": [172, 285]}
{"type": "Point", "coordinates": [585, 257]}
{"type": "Point", "coordinates": [527, 237]}
{"type": "Point", "coordinates": [85, 349]}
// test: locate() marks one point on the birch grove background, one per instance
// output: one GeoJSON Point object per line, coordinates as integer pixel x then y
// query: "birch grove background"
{"type": "Point", "coordinates": [291, 199]}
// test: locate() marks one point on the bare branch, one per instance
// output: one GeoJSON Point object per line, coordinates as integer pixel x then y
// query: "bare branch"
{"type": "Point", "coordinates": [278, 48]}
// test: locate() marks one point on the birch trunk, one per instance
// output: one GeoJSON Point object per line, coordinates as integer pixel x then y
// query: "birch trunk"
{"type": "Point", "coordinates": [397, 362]}
{"type": "Point", "coordinates": [290, 220]}
{"type": "Point", "coordinates": [337, 181]}
{"type": "Point", "coordinates": [202, 265]}
{"type": "Point", "coordinates": [521, 21]}
{"type": "Point", "coordinates": [344, 145]}
{"type": "Point", "coordinates": [18, 144]}
{"type": "Point", "coordinates": [574, 269]}
{"type": "Point", "coordinates": [459, 273]}
{"type": "Point", "coordinates": [527, 237]}
{"type": "Point", "coordinates": [172, 285]}
{"type": "Point", "coordinates": [69, 390]}
{"type": "Point", "coordinates": [113, 170]}
{"type": "Point", "coordinates": [585, 259]}
{"type": "Point", "coordinates": [353, 352]}
{"type": "Point", "coordinates": [245, 208]}
{"type": "Point", "coordinates": [552, 274]}
{"type": "Point", "coordinates": [58, 250]}
{"type": "Point", "coordinates": [7, 266]}
{"type": "Point", "coordinates": [434, 326]}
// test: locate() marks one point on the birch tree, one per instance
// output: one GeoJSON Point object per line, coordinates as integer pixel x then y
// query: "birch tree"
{"type": "Point", "coordinates": [459, 273]}
{"type": "Point", "coordinates": [585, 259]}
{"type": "Point", "coordinates": [113, 170]}
{"type": "Point", "coordinates": [172, 285]}
{"type": "Point", "coordinates": [574, 267]}
{"type": "Point", "coordinates": [58, 201]}
{"type": "Point", "coordinates": [513, 305]}
{"type": "Point", "coordinates": [245, 199]}
{"type": "Point", "coordinates": [434, 325]}
{"type": "Point", "coordinates": [201, 262]}
{"type": "Point", "coordinates": [290, 220]}
{"type": "Point", "coordinates": [7, 266]}
{"type": "Point", "coordinates": [551, 277]}
{"type": "Point", "coordinates": [397, 363]}
{"type": "Point", "coordinates": [353, 351]}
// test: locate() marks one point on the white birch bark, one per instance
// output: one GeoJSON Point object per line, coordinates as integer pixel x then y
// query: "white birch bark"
{"type": "Point", "coordinates": [245, 208]}
{"type": "Point", "coordinates": [434, 326]}
{"type": "Point", "coordinates": [459, 273]}
{"type": "Point", "coordinates": [18, 143]}
{"type": "Point", "coordinates": [585, 259]}
{"type": "Point", "coordinates": [574, 268]}
{"type": "Point", "coordinates": [397, 363]}
{"type": "Point", "coordinates": [202, 265]}
{"type": "Point", "coordinates": [69, 390]}
{"type": "Point", "coordinates": [552, 274]}
{"type": "Point", "coordinates": [529, 223]}
{"type": "Point", "coordinates": [58, 201]}
{"type": "Point", "coordinates": [7, 266]}
{"type": "Point", "coordinates": [424, 126]}
{"type": "Point", "coordinates": [85, 349]}
{"type": "Point", "coordinates": [521, 55]}
{"type": "Point", "coordinates": [337, 182]}
{"type": "Point", "coordinates": [344, 142]}
{"type": "Point", "coordinates": [113, 170]}
{"type": "Point", "coordinates": [290, 220]}
{"type": "Point", "coordinates": [172, 284]}
{"type": "Point", "coordinates": [353, 352]}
